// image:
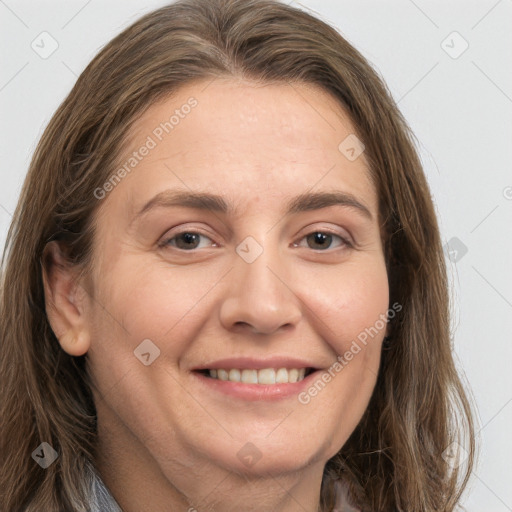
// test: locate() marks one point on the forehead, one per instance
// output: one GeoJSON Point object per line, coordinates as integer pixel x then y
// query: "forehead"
{"type": "Point", "coordinates": [245, 140]}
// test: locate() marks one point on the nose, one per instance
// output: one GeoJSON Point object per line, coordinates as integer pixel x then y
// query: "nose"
{"type": "Point", "coordinates": [260, 297]}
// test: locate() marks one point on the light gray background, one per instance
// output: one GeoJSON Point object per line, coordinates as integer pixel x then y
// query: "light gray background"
{"type": "Point", "coordinates": [459, 108]}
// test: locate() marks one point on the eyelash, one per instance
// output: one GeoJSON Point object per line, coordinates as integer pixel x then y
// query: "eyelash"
{"type": "Point", "coordinates": [166, 242]}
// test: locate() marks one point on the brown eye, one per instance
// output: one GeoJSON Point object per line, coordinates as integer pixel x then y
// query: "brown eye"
{"type": "Point", "coordinates": [186, 240]}
{"type": "Point", "coordinates": [321, 240]}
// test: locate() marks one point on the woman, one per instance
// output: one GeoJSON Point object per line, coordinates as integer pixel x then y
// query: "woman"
{"type": "Point", "coordinates": [224, 286]}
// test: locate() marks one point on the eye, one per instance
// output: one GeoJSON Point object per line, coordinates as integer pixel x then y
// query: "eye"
{"type": "Point", "coordinates": [323, 240]}
{"type": "Point", "coordinates": [186, 240]}
{"type": "Point", "coordinates": [190, 240]}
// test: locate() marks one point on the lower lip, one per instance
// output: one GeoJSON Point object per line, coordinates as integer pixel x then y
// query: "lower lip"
{"type": "Point", "coordinates": [256, 392]}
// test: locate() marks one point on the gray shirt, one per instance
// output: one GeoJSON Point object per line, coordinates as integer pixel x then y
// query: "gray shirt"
{"type": "Point", "coordinates": [101, 500]}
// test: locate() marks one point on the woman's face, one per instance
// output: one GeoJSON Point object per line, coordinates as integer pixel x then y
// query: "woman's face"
{"type": "Point", "coordinates": [259, 278]}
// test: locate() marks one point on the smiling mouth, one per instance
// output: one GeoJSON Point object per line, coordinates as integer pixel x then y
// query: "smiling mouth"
{"type": "Point", "coordinates": [264, 376]}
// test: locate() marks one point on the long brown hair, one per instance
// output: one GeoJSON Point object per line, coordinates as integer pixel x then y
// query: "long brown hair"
{"type": "Point", "coordinates": [394, 460]}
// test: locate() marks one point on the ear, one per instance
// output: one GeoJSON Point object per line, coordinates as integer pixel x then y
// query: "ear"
{"type": "Point", "coordinates": [65, 301]}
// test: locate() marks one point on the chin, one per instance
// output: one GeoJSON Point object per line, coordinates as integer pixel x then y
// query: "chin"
{"type": "Point", "coordinates": [271, 457]}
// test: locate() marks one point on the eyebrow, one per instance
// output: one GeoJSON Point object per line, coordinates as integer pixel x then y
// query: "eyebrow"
{"type": "Point", "coordinates": [212, 202]}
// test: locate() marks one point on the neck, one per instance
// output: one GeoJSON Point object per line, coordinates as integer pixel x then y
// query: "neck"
{"type": "Point", "coordinates": [139, 482]}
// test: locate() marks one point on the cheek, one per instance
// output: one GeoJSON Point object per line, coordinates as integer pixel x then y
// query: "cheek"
{"type": "Point", "coordinates": [157, 303]}
{"type": "Point", "coordinates": [352, 309]}
{"type": "Point", "coordinates": [351, 303]}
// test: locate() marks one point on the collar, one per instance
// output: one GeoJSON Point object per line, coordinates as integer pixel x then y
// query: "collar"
{"type": "Point", "coordinates": [101, 500]}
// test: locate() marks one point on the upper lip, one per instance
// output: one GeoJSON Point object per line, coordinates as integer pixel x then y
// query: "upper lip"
{"type": "Point", "coordinates": [257, 364]}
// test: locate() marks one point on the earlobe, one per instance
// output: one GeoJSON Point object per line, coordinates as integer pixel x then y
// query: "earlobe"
{"type": "Point", "coordinates": [64, 309]}
{"type": "Point", "coordinates": [74, 343]}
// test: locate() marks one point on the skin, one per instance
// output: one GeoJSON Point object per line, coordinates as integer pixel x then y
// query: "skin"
{"type": "Point", "coordinates": [167, 442]}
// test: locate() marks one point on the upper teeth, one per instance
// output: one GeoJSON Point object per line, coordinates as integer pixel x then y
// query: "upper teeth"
{"type": "Point", "coordinates": [264, 376]}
